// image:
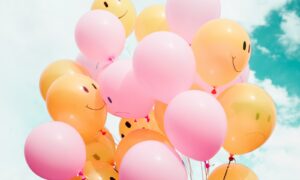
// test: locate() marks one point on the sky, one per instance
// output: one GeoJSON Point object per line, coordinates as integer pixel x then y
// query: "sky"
{"type": "Point", "coordinates": [34, 33]}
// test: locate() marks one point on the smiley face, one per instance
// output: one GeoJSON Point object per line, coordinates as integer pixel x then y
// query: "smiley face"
{"type": "Point", "coordinates": [128, 125]}
{"type": "Point", "coordinates": [123, 9]}
{"type": "Point", "coordinates": [222, 49]}
{"type": "Point", "coordinates": [98, 170]}
{"type": "Point", "coordinates": [76, 100]}
{"type": "Point", "coordinates": [251, 117]}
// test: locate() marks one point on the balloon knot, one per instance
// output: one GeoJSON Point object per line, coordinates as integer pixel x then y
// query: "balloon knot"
{"type": "Point", "coordinates": [103, 132]}
{"type": "Point", "coordinates": [80, 174]}
{"type": "Point", "coordinates": [231, 158]}
{"type": "Point", "coordinates": [148, 119]}
{"type": "Point", "coordinates": [207, 165]}
{"type": "Point", "coordinates": [135, 120]}
{"type": "Point", "coordinates": [111, 58]}
{"type": "Point", "coordinates": [214, 91]}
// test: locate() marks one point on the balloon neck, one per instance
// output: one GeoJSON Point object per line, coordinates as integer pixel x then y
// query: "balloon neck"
{"type": "Point", "coordinates": [102, 132]}
{"type": "Point", "coordinates": [147, 118]}
{"type": "Point", "coordinates": [214, 91]}
{"type": "Point", "coordinates": [81, 174]}
{"type": "Point", "coordinates": [111, 58]}
{"type": "Point", "coordinates": [207, 165]}
{"type": "Point", "coordinates": [231, 158]}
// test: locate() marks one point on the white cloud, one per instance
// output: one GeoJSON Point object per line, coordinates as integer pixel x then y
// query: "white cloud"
{"type": "Point", "coordinates": [290, 26]}
{"type": "Point", "coordinates": [250, 13]}
{"type": "Point", "coordinates": [263, 50]}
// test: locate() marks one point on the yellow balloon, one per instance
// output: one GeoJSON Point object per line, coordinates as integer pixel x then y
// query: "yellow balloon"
{"type": "Point", "coordinates": [152, 19]}
{"type": "Point", "coordinates": [76, 100]}
{"type": "Point", "coordinates": [56, 70]}
{"type": "Point", "coordinates": [222, 49]}
{"type": "Point", "coordinates": [234, 172]}
{"type": "Point", "coordinates": [134, 138]}
{"type": "Point", "coordinates": [98, 171]}
{"type": "Point", "coordinates": [123, 9]}
{"type": "Point", "coordinates": [251, 117]}
{"type": "Point", "coordinates": [128, 125]}
{"type": "Point", "coordinates": [100, 150]}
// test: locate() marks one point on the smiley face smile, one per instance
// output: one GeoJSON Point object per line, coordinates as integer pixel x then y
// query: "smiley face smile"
{"type": "Point", "coordinates": [123, 15]}
{"type": "Point", "coordinates": [95, 109]}
{"type": "Point", "coordinates": [234, 67]}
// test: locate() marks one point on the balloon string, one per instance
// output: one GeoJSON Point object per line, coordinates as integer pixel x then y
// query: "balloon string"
{"type": "Point", "coordinates": [207, 166]}
{"type": "Point", "coordinates": [190, 167]}
{"type": "Point", "coordinates": [231, 158]}
{"type": "Point", "coordinates": [202, 171]}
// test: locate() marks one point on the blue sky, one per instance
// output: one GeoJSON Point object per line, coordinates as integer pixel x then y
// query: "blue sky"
{"type": "Point", "coordinates": [34, 33]}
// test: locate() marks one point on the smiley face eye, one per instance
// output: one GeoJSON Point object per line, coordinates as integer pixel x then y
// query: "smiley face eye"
{"type": "Point", "coordinates": [108, 98]}
{"type": "Point", "coordinates": [112, 178]}
{"type": "Point", "coordinates": [128, 125]}
{"type": "Point", "coordinates": [105, 4]}
{"type": "Point", "coordinates": [96, 156]}
{"type": "Point", "coordinates": [85, 89]}
{"type": "Point", "coordinates": [94, 86]}
{"type": "Point", "coordinates": [244, 45]}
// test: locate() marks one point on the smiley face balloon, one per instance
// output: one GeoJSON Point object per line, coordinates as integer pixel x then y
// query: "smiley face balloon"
{"type": "Point", "coordinates": [222, 49]}
{"type": "Point", "coordinates": [123, 9]}
{"type": "Point", "coordinates": [251, 117]}
{"type": "Point", "coordinates": [76, 100]}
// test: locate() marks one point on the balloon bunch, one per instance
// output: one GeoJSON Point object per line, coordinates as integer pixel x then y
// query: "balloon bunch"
{"type": "Point", "coordinates": [184, 91]}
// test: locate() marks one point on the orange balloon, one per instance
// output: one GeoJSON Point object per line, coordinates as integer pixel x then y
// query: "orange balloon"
{"type": "Point", "coordinates": [101, 150]}
{"type": "Point", "coordinates": [235, 172]}
{"type": "Point", "coordinates": [105, 135]}
{"type": "Point", "coordinates": [159, 111]}
{"type": "Point", "coordinates": [152, 19]}
{"type": "Point", "coordinates": [222, 49]}
{"type": "Point", "coordinates": [251, 117]}
{"type": "Point", "coordinates": [128, 125]}
{"type": "Point", "coordinates": [76, 100]}
{"type": "Point", "coordinates": [56, 70]}
{"type": "Point", "coordinates": [135, 137]}
{"type": "Point", "coordinates": [98, 171]}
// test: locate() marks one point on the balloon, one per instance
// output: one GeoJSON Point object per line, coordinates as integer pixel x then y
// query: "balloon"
{"type": "Point", "coordinates": [76, 100]}
{"type": "Point", "coordinates": [195, 123]}
{"type": "Point", "coordinates": [164, 64]}
{"type": "Point", "coordinates": [100, 35]}
{"type": "Point", "coordinates": [222, 49]}
{"type": "Point", "coordinates": [128, 125]}
{"type": "Point", "coordinates": [92, 66]}
{"type": "Point", "coordinates": [251, 116]}
{"type": "Point", "coordinates": [105, 136]}
{"type": "Point", "coordinates": [123, 94]}
{"type": "Point", "coordinates": [55, 151]}
{"type": "Point", "coordinates": [56, 70]}
{"type": "Point", "coordinates": [159, 112]}
{"type": "Point", "coordinates": [124, 10]}
{"type": "Point", "coordinates": [151, 19]}
{"type": "Point", "coordinates": [186, 17]}
{"type": "Point", "coordinates": [151, 160]}
{"type": "Point", "coordinates": [135, 137]}
{"type": "Point", "coordinates": [235, 171]}
{"type": "Point", "coordinates": [98, 171]}
{"type": "Point", "coordinates": [243, 77]}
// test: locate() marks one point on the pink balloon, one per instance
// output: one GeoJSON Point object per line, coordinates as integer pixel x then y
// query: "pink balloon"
{"type": "Point", "coordinates": [94, 67]}
{"type": "Point", "coordinates": [100, 35]}
{"type": "Point", "coordinates": [216, 91]}
{"type": "Point", "coordinates": [164, 64]}
{"type": "Point", "coordinates": [55, 151]}
{"type": "Point", "coordinates": [195, 123]}
{"type": "Point", "coordinates": [186, 17]}
{"type": "Point", "coordinates": [122, 93]}
{"type": "Point", "coordinates": [151, 160]}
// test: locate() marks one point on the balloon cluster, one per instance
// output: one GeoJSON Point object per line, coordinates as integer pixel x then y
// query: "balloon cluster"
{"type": "Point", "coordinates": [184, 91]}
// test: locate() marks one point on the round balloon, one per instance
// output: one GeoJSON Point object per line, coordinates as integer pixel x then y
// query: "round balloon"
{"type": "Point", "coordinates": [105, 136]}
{"type": "Point", "coordinates": [235, 171]}
{"type": "Point", "coordinates": [123, 94]}
{"type": "Point", "coordinates": [186, 17]}
{"type": "Point", "coordinates": [100, 151]}
{"type": "Point", "coordinates": [56, 70]}
{"type": "Point", "coordinates": [151, 160]}
{"type": "Point", "coordinates": [55, 151]}
{"type": "Point", "coordinates": [151, 19]}
{"type": "Point", "coordinates": [251, 117]}
{"type": "Point", "coordinates": [134, 138]}
{"type": "Point", "coordinates": [128, 125]}
{"type": "Point", "coordinates": [124, 10]}
{"type": "Point", "coordinates": [76, 100]}
{"type": "Point", "coordinates": [195, 123]}
{"type": "Point", "coordinates": [164, 64]}
{"type": "Point", "coordinates": [222, 49]}
{"type": "Point", "coordinates": [100, 35]}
